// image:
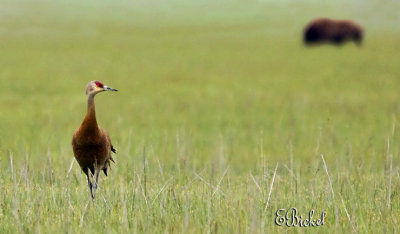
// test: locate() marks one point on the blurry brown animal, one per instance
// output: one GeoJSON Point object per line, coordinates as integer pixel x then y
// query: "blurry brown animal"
{"type": "Point", "coordinates": [324, 30]}
{"type": "Point", "coordinates": [91, 144]}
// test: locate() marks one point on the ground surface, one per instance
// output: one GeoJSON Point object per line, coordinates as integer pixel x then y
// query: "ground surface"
{"type": "Point", "coordinates": [213, 95]}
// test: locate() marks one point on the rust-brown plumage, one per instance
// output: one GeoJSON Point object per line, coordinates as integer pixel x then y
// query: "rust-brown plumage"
{"type": "Point", "coordinates": [91, 144]}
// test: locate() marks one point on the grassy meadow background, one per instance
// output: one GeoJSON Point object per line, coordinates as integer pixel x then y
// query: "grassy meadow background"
{"type": "Point", "coordinates": [221, 118]}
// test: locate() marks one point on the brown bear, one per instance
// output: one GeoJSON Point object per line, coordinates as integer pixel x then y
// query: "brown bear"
{"type": "Point", "coordinates": [324, 30]}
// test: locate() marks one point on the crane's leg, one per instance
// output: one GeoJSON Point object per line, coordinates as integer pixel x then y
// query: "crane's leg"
{"type": "Point", "coordinates": [90, 185]}
{"type": "Point", "coordinates": [96, 179]}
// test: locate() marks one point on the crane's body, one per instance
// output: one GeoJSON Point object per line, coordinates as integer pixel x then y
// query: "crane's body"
{"type": "Point", "coordinates": [91, 144]}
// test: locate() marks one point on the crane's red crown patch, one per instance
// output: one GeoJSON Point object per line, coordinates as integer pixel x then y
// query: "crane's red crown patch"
{"type": "Point", "coordinates": [99, 84]}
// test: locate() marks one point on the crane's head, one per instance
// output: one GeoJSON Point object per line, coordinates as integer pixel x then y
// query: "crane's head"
{"type": "Point", "coordinates": [95, 87]}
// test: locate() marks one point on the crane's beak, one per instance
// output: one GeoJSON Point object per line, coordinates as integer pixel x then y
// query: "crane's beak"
{"type": "Point", "coordinates": [106, 88]}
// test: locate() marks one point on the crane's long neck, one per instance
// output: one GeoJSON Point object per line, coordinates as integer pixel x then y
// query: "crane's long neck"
{"type": "Point", "coordinates": [90, 122]}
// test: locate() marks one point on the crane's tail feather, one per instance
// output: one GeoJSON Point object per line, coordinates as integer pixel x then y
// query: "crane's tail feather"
{"type": "Point", "coordinates": [106, 166]}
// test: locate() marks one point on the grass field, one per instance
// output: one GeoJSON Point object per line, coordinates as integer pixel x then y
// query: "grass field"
{"type": "Point", "coordinates": [222, 117]}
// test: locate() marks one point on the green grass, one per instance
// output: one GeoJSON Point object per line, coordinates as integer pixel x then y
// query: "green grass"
{"type": "Point", "coordinates": [212, 96]}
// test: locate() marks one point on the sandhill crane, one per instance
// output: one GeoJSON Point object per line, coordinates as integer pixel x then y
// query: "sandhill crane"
{"type": "Point", "coordinates": [91, 144]}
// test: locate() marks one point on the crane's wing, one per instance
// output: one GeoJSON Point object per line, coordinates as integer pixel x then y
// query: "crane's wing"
{"type": "Point", "coordinates": [112, 149]}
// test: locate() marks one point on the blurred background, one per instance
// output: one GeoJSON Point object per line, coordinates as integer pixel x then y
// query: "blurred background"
{"type": "Point", "coordinates": [203, 86]}
{"type": "Point", "coordinates": [231, 73]}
